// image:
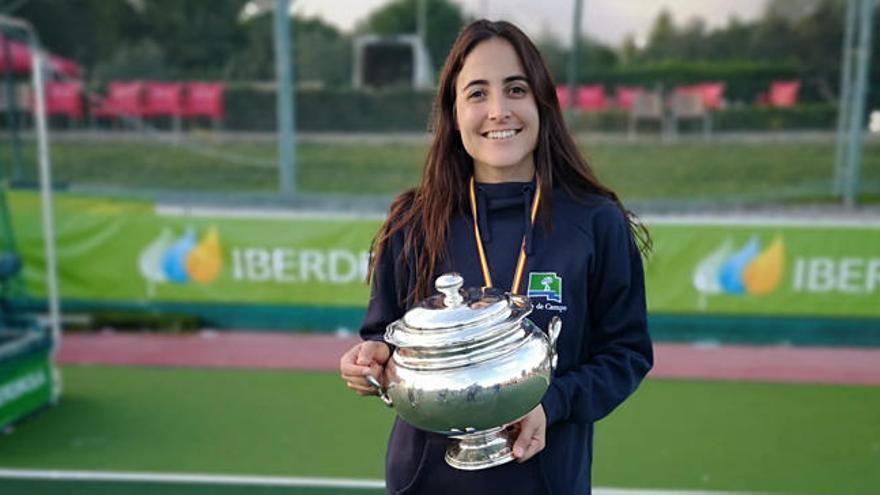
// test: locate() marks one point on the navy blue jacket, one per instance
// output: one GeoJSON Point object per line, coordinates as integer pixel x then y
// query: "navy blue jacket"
{"type": "Point", "coordinates": [596, 285]}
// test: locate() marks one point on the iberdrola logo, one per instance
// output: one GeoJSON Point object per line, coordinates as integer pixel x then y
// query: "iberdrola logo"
{"type": "Point", "coordinates": [747, 270]}
{"type": "Point", "coordinates": [545, 284]}
{"type": "Point", "coordinates": [181, 259]}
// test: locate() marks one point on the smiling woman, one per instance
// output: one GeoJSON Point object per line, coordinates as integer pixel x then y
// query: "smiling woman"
{"type": "Point", "coordinates": [500, 158]}
{"type": "Point", "coordinates": [496, 114]}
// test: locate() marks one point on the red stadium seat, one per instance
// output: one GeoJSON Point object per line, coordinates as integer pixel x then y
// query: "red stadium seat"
{"type": "Point", "coordinates": [783, 94]}
{"type": "Point", "coordinates": [591, 98]}
{"type": "Point", "coordinates": [163, 99]}
{"type": "Point", "coordinates": [65, 99]}
{"type": "Point", "coordinates": [625, 96]}
{"type": "Point", "coordinates": [124, 99]}
{"type": "Point", "coordinates": [712, 94]}
{"type": "Point", "coordinates": [205, 99]}
{"type": "Point", "coordinates": [563, 94]}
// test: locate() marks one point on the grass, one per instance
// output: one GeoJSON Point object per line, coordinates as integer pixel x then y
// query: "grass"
{"type": "Point", "coordinates": [671, 434]}
{"type": "Point", "coordinates": [759, 172]}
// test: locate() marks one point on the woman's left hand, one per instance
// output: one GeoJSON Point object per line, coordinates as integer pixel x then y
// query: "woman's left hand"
{"type": "Point", "coordinates": [531, 431]}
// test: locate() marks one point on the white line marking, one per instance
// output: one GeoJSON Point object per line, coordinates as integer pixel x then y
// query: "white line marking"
{"type": "Point", "coordinates": [866, 220]}
{"type": "Point", "coordinates": [210, 479]}
{"type": "Point", "coordinates": [166, 210]}
{"type": "Point", "coordinates": [871, 222]}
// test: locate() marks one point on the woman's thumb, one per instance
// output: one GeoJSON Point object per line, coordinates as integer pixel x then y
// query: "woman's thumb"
{"type": "Point", "coordinates": [523, 440]}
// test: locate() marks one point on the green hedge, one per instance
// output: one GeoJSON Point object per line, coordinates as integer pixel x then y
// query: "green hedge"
{"type": "Point", "coordinates": [409, 111]}
{"type": "Point", "coordinates": [815, 116]}
{"type": "Point", "coordinates": [807, 116]}
{"type": "Point", "coordinates": [332, 110]}
{"type": "Point", "coordinates": [743, 80]}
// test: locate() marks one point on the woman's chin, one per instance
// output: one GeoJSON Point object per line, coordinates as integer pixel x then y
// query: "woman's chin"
{"type": "Point", "coordinates": [504, 171]}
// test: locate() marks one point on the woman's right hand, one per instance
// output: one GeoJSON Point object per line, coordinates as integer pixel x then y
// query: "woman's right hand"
{"type": "Point", "coordinates": [368, 357]}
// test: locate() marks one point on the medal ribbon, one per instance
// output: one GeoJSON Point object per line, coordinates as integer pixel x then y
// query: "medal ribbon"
{"type": "Point", "coordinates": [484, 263]}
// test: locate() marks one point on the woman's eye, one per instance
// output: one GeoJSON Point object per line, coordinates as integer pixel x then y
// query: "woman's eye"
{"type": "Point", "coordinates": [518, 91]}
{"type": "Point", "coordinates": [476, 94]}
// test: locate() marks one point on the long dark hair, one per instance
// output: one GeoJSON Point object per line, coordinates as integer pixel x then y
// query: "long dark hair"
{"type": "Point", "coordinates": [424, 212]}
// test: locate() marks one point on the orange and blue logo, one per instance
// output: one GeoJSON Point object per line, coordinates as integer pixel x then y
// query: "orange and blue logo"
{"type": "Point", "coordinates": [182, 259]}
{"type": "Point", "coordinates": [747, 270]}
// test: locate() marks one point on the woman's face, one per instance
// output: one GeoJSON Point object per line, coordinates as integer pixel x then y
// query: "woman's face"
{"type": "Point", "coordinates": [496, 114]}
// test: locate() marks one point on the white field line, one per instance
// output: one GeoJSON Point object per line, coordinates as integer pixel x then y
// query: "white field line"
{"type": "Point", "coordinates": [868, 221]}
{"type": "Point", "coordinates": [225, 213]}
{"type": "Point", "coordinates": [209, 479]}
{"type": "Point", "coordinates": [809, 219]}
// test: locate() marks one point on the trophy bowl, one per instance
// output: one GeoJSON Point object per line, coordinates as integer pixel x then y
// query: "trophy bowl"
{"type": "Point", "coordinates": [466, 363]}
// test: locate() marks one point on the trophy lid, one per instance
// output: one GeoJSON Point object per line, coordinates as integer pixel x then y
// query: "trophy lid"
{"type": "Point", "coordinates": [457, 316]}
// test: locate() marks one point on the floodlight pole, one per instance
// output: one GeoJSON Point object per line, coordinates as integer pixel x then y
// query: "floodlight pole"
{"type": "Point", "coordinates": [855, 136]}
{"type": "Point", "coordinates": [573, 59]}
{"type": "Point", "coordinates": [285, 99]}
{"type": "Point", "coordinates": [422, 22]}
{"type": "Point", "coordinates": [845, 103]}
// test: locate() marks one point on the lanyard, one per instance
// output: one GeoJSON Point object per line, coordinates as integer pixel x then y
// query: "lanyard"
{"type": "Point", "coordinates": [484, 263]}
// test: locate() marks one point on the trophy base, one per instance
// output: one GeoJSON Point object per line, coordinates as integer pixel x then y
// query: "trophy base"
{"type": "Point", "coordinates": [480, 450]}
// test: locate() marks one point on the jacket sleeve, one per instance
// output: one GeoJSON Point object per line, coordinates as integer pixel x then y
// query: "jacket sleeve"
{"type": "Point", "coordinates": [386, 289]}
{"type": "Point", "coordinates": [619, 353]}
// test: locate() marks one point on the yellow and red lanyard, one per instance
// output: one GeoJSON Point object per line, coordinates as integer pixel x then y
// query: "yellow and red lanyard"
{"type": "Point", "coordinates": [484, 263]}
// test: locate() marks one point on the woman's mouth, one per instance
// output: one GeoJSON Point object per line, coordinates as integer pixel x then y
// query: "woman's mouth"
{"type": "Point", "coordinates": [498, 135]}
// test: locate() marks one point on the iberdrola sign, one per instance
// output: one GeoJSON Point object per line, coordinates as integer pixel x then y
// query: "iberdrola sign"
{"type": "Point", "coordinates": [136, 252]}
{"type": "Point", "coordinates": [765, 267]}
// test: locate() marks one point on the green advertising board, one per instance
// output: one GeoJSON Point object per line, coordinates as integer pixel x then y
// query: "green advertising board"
{"type": "Point", "coordinates": [115, 250]}
{"type": "Point", "coordinates": [765, 267]}
{"type": "Point", "coordinates": [230, 262]}
{"type": "Point", "coordinates": [27, 382]}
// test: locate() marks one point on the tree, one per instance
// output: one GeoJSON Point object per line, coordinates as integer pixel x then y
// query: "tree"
{"type": "Point", "coordinates": [322, 55]}
{"type": "Point", "coordinates": [196, 36]}
{"type": "Point", "coordinates": [661, 36]}
{"type": "Point", "coordinates": [84, 30]}
{"type": "Point", "coordinates": [186, 37]}
{"type": "Point", "coordinates": [629, 50]}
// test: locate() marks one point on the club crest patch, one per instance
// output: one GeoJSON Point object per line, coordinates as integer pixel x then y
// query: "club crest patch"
{"type": "Point", "coordinates": [545, 284]}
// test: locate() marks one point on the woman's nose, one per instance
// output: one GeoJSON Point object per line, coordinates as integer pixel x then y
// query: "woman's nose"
{"type": "Point", "coordinates": [498, 108]}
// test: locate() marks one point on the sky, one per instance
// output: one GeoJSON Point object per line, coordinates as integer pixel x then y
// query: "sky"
{"type": "Point", "coordinates": [607, 20]}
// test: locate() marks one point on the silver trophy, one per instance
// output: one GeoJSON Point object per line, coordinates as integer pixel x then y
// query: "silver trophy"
{"type": "Point", "coordinates": [467, 363]}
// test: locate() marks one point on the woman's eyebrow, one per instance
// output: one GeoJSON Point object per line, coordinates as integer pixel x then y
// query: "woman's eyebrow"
{"type": "Point", "coordinates": [517, 77]}
{"type": "Point", "coordinates": [507, 80]}
{"type": "Point", "coordinates": [475, 82]}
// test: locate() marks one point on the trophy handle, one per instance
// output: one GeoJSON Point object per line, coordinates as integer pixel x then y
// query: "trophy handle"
{"type": "Point", "coordinates": [555, 328]}
{"type": "Point", "coordinates": [380, 389]}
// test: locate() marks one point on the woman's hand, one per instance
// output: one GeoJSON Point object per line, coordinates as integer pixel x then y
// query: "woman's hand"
{"type": "Point", "coordinates": [531, 432]}
{"type": "Point", "coordinates": [365, 358]}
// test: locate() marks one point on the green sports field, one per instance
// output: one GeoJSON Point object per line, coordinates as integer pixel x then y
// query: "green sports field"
{"type": "Point", "coordinates": [670, 435]}
{"type": "Point", "coordinates": [738, 171]}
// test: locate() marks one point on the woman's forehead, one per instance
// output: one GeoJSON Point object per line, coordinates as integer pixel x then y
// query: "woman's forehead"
{"type": "Point", "coordinates": [493, 60]}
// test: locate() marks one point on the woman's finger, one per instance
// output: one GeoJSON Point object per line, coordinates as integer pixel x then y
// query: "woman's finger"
{"type": "Point", "coordinates": [535, 446]}
{"type": "Point", "coordinates": [363, 390]}
{"type": "Point", "coordinates": [351, 369]}
{"type": "Point", "coordinates": [523, 440]}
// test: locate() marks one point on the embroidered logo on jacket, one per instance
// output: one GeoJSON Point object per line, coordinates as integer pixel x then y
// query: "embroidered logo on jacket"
{"type": "Point", "coordinates": [545, 284]}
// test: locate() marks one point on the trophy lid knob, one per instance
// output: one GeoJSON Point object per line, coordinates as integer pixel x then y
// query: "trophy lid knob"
{"type": "Point", "coordinates": [450, 285]}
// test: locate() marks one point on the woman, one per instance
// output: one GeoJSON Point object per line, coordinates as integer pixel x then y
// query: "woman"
{"type": "Point", "coordinates": [507, 201]}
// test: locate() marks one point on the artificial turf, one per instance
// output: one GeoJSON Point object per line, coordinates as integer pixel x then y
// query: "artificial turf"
{"type": "Point", "coordinates": [808, 439]}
